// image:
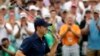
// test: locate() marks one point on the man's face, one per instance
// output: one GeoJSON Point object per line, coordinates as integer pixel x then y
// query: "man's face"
{"type": "Point", "coordinates": [12, 15]}
{"type": "Point", "coordinates": [74, 9]}
{"type": "Point", "coordinates": [32, 12]}
{"type": "Point", "coordinates": [3, 11]}
{"type": "Point", "coordinates": [5, 43]}
{"type": "Point", "coordinates": [23, 20]}
{"type": "Point", "coordinates": [64, 15]}
{"type": "Point", "coordinates": [69, 20]}
{"type": "Point", "coordinates": [88, 15]}
{"type": "Point", "coordinates": [86, 4]}
{"type": "Point", "coordinates": [40, 3]}
{"type": "Point", "coordinates": [96, 15]}
{"type": "Point", "coordinates": [43, 30]}
{"type": "Point", "coordinates": [53, 14]}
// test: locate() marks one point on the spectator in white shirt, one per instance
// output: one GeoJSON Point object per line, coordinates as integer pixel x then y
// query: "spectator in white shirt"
{"type": "Point", "coordinates": [79, 4]}
{"type": "Point", "coordinates": [24, 30]}
{"type": "Point", "coordinates": [44, 10]}
{"type": "Point", "coordinates": [77, 15]}
{"type": "Point", "coordinates": [4, 31]}
{"type": "Point", "coordinates": [55, 20]}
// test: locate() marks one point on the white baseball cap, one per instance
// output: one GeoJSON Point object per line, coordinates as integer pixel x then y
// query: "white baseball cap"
{"type": "Point", "coordinates": [3, 7]}
{"type": "Point", "coordinates": [23, 14]}
{"type": "Point", "coordinates": [33, 7]}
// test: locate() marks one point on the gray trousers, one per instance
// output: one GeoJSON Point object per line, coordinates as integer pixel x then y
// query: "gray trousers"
{"type": "Point", "coordinates": [70, 50]}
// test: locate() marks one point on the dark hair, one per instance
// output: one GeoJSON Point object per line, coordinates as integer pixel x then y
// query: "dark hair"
{"type": "Point", "coordinates": [52, 11]}
{"type": "Point", "coordinates": [64, 12]}
{"type": "Point", "coordinates": [88, 11]}
{"type": "Point", "coordinates": [11, 8]}
{"type": "Point", "coordinates": [4, 39]}
{"type": "Point", "coordinates": [95, 12]}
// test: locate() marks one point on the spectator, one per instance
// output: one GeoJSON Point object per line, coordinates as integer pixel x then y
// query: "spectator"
{"type": "Point", "coordinates": [7, 48]}
{"type": "Point", "coordinates": [44, 10]}
{"type": "Point", "coordinates": [79, 4]}
{"type": "Point", "coordinates": [46, 3]}
{"type": "Point", "coordinates": [93, 4]}
{"type": "Point", "coordinates": [4, 31]}
{"type": "Point", "coordinates": [57, 6]}
{"type": "Point", "coordinates": [70, 34]}
{"type": "Point", "coordinates": [49, 35]}
{"type": "Point", "coordinates": [97, 6]}
{"type": "Point", "coordinates": [4, 12]}
{"type": "Point", "coordinates": [1, 2]}
{"type": "Point", "coordinates": [25, 29]}
{"type": "Point", "coordinates": [55, 20]}
{"type": "Point", "coordinates": [83, 44]}
{"type": "Point", "coordinates": [93, 37]}
{"type": "Point", "coordinates": [86, 4]}
{"type": "Point", "coordinates": [63, 15]}
{"type": "Point", "coordinates": [32, 13]}
{"type": "Point", "coordinates": [78, 16]}
{"type": "Point", "coordinates": [11, 25]}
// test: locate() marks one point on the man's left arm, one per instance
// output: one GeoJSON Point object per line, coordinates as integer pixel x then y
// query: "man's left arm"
{"type": "Point", "coordinates": [54, 47]}
{"type": "Point", "coordinates": [11, 52]}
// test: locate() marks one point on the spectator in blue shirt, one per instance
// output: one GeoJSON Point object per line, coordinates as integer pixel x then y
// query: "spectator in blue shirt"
{"type": "Point", "coordinates": [93, 29]}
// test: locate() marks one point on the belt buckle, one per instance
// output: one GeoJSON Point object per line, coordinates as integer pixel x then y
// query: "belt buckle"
{"type": "Point", "coordinates": [70, 45]}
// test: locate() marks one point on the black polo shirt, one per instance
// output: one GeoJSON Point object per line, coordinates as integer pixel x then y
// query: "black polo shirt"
{"type": "Point", "coordinates": [34, 46]}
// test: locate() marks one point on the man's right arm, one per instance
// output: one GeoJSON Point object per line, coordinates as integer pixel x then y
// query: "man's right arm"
{"type": "Point", "coordinates": [85, 30]}
{"type": "Point", "coordinates": [19, 53]}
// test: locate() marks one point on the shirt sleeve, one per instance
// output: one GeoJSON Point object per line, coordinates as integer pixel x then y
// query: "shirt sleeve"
{"type": "Point", "coordinates": [26, 44]}
{"type": "Point", "coordinates": [47, 49]}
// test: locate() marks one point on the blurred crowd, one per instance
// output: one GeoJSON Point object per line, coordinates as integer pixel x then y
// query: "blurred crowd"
{"type": "Point", "coordinates": [76, 21]}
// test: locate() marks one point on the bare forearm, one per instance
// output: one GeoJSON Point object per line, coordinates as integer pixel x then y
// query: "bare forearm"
{"type": "Point", "coordinates": [85, 30]}
{"type": "Point", "coordinates": [98, 27]}
{"type": "Point", "coordinates": [19, 53]}
{"type": "Point", "coordinates": [53, 49]}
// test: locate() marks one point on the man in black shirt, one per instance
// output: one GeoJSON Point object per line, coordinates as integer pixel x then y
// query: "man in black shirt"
{"type": "Point", "coordinates": [36, 44]}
